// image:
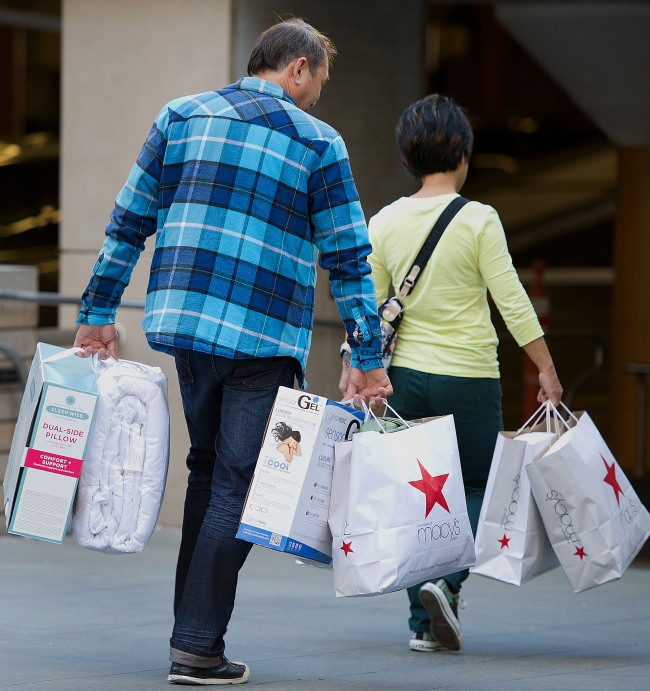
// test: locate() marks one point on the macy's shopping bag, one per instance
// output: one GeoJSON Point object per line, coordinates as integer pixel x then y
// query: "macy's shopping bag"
{"type": "Point", "coordinates": [511, 541]}
{"type": "Point", "coordinates": [593, 517]}
{"type": "Point", "coordinates": [398, 514]}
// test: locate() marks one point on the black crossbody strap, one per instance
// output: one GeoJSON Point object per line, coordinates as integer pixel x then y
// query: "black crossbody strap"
{"type": "Point", "coordinates": [445, 218]}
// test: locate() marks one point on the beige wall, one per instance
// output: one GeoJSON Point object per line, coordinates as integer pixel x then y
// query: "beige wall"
{"type": "Point", "coordinates": [122, 61]}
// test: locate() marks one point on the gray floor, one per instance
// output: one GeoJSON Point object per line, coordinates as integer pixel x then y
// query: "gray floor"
{"type": "Point", "coordinates": [73, 619]}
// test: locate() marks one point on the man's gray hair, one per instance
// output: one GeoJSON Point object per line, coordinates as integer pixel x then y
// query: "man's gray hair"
{"type": "Point", "coordinates": [287, 40]}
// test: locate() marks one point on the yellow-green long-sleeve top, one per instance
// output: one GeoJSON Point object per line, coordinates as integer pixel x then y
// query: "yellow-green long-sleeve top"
{"type": "Point", "coordinates": [446, 327]}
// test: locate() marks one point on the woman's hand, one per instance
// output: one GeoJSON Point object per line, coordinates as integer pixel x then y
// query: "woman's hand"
{"type": "Point", "coordinates": [549, 383]}
{"type": "Point", "coordinates": [345, 376]}
{"type": "Point", "coordinates": [549, 387]}
{"type": "Point", "coordinates": [373, 385]}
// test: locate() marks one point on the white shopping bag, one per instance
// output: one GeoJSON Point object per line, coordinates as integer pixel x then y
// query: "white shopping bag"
{"type": "Point", "coordinates": [593, 517]}
{"type": "Point", "coordinates": [511, 541]}
{"type": "Point", "coordinates": [398, 514]}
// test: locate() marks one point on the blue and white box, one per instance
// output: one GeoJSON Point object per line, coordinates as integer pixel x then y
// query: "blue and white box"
{"type": "Point", "coordinates": [289, 496]}
{"type": "Point", "coordinates": [49, 442]}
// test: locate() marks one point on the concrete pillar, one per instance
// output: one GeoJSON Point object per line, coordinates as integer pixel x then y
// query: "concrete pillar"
{"type": "Point", "coordinates": [631, 323]}
{"type": "Point", "coordinates": [18, 323]}
{"type": "Point", "coordinates": [122, 61]}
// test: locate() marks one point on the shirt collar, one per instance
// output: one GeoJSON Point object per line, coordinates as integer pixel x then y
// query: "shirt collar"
{"type": "Point", "coordinates": [264, 87]}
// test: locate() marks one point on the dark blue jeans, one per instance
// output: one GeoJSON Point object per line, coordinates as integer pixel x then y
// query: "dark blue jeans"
{"type": "Point", "coordinates": [227, 405]}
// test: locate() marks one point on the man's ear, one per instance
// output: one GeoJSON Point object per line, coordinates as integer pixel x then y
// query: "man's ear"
{"type": "Point", "coordinates": [298, 67]}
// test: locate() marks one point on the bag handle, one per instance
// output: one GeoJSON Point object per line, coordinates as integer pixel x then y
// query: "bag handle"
{"type": "Point", "coordinates": [548, 406]}
{"type": "Point", "coordinates": [544, 413]}
{"type": "Point", "coordinates": [397, 415]}
{"type": "Point", "coordinates": [93, 359]}
{"type": "Point", "coordinates": [369, 413]}
{"type": "Point", "coordinates": [533, 420]}
{"type": "Point", "coordinates": [568, 411]}
{"type": "Point", "coordinates": [558, 419]}
{"type": "Point", "coordinates": [351, 404]}
{"type": "Point", "coordinates": [63, 354]}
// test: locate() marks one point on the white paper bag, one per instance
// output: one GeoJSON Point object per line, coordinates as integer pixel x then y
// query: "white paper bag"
{"type": "Point", "coordinates": [398, 514]}
{"type": "Point", "coordinates": [593, 517]}
{"type": "Point", "coordinates": [511, 541]}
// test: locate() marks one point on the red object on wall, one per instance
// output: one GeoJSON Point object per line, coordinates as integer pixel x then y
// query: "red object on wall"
{"type": "Point", "coordinates": [540, 296]}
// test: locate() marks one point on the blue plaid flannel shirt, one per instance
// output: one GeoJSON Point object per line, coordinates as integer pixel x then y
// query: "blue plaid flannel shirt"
{"type": "Point", "coordinates": [244, 192]}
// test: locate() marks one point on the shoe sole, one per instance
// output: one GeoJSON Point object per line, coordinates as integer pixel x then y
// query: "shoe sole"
{"type": "Point", "coordinates": [443, 621]}
{"type": "Point", "coordinates": [419, 648]}
{"type": "Point", "coordinates": [195, 681]}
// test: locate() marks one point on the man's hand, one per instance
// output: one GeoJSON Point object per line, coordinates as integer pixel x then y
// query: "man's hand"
{"type": "Point", "coordinates": [373, 385]}
{"type": "Point", "coordinates": [100, 339]}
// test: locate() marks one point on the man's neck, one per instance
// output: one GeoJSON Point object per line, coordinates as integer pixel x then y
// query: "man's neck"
{"type": "Point", "coordinates": [279, 78]}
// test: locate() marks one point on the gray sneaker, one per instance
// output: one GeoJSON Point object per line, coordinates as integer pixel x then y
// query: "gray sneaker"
{"type": "Point", "coordinates": [442, 607]}
{"type": "Point", "coordinates": [424, 642]}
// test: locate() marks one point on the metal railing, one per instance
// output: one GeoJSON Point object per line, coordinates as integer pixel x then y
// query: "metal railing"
{"type": "Point", "coordinates": [16, 361]}
{"type": "Point", "coordinates": [61, 299]}
{"type": "Point", "coordinates": [43, 298]}
{"type": "Point", "coordinates": [57, 298]}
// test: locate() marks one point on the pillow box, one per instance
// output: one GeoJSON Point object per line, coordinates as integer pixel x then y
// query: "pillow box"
{"type": "Point", "coordinates": [287, 506]}
{"type": "Point", "coordinates": [49, 442]}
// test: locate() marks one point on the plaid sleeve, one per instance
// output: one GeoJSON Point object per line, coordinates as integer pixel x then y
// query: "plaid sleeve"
{"type": "Point", "coordinates": [133, 220]}
{"type": "Point", "coordinates": [341, 235]}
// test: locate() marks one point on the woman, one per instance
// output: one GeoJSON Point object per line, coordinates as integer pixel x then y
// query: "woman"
{"type": "Point", "coordinates": [445, 359]}
{"type": "Point", "coordinates": [289, 439]}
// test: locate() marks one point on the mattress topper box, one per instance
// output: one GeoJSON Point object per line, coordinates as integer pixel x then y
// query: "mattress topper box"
{"type": "Point", "coordinates": [288, 500]}
{"type": "Point", "coordinates": [47, 450]}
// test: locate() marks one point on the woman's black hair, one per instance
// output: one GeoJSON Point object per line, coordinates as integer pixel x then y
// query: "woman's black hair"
{"type": "Point", "coordinates": [282, 431]}
{"type": "Point", "coordinates": [433, 135]}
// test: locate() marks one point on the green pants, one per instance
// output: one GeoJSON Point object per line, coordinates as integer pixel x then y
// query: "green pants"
{"type": "Point", "coordinates": [475, 404]}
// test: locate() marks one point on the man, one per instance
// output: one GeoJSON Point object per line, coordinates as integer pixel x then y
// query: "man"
{"type": "Point", "coordinates": [244, 191]}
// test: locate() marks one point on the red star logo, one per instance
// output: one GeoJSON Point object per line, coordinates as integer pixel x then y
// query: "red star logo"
{"type": "Point", "coordinates": [580, 552]}
{"type": "Point", "coordinates": [610, 479]}
{"type": "Point", "coordinates": [431, 486]}
{"type": "Point", "coordinates": [504, 541]}
{"type": "Point", "coordinates": [347, 547]}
